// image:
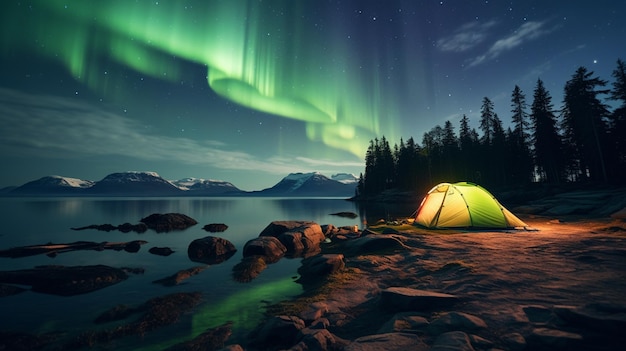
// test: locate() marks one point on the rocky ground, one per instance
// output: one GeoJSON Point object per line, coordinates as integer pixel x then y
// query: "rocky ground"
{"type": "Point", "coordinates": [559, 287]}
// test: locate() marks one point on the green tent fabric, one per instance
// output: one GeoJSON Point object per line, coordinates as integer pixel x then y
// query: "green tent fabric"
{"type": "Point", "coordinates": [464, 205]}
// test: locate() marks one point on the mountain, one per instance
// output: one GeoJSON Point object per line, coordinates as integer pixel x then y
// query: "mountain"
{"type": "Point", "coordinates": [134, 184]}
{"type": "Point", "coordinates": [308, 184]}
{"type": "Point", "coordinates": [152, 184]}
{"type": "Point", "coordinates": [346, 178]}
{"type": "Point", "coordinates": [206, 187]}
{"type": "Point", "coordinates": [53, 185]}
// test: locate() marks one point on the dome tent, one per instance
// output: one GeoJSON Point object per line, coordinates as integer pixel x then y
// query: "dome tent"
{"type": "Point", "coordinates": [464, 205]}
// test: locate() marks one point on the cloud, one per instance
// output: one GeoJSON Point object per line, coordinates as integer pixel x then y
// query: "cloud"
{"type": "Point", "coordinates": [526, 32]}
{"type": "Point", "coordinates": [465, 37]}
{"type": "Point", "coordinates": [63, 128]}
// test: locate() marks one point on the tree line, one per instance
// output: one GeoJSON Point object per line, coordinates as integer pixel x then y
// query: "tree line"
{"type": "Point", "coordinates": [584, 141]}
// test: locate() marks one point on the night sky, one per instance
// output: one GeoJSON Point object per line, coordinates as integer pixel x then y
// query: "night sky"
{"type": "Point", "coordinates": [249, 91]}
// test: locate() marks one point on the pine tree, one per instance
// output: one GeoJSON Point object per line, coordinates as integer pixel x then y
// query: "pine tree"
{"type": "Point", "coordinates": [618, 120]}
{"type": "Point", "coordinates": [519, 149]}
{"type": "Point", "coordinates": [584, 123]}
{"type": "Point", "coordinates": [548, 149]}
{"type": "Point", "coordinates": [486, 120]}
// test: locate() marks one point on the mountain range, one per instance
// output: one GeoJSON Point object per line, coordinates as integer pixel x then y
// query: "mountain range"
{"type": "Point", "coordinates": [312, 184]}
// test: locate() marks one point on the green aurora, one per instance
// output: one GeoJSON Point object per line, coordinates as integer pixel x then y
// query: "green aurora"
{"type": "Point", "coordinates": [253, 57]}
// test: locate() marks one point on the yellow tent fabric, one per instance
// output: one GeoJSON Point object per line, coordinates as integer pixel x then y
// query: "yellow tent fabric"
{"type": "Point", "coordinates": [462, 205]}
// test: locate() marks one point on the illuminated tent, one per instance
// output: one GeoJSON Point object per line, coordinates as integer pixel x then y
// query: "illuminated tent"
{"type": "Point", "coordinates": [463, 205]}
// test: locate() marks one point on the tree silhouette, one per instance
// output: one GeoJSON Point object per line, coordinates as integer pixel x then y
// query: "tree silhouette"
{"type": "Point", "coordinates": [548, 149]}
{"type": "Point", "coordinates": [591, 143]}
{"type": "Point", "coordinates": [584, 125]}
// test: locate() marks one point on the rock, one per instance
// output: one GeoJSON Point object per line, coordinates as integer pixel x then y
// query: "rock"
{"type": "Point", "coordinates": [8, 290]}
{"type": "Point", "coordinates": [116, 313]}
{"type": "Point", "coordinates": [315, 311]}
{"type": "Point", "coordinates": [212, 339]}
{"type": "Point", "coordinates": [609, 318]}
{"type": "Point", "coordinates": [155, 313]}
{"type": "Point", "coordinates": [101, 227]}
{"type": "Point", "coordinates": [137, 228]}
{"type": "Point", "coordinates": [452, 341]}
{"type": "Point", "coordinates": [378, 243]}
{"type": "Point", "coordinates": [279, 332]}
{"type": "Point", "coordinates": [276, 228]}
{"type": "Point", "coordinates": [298, 237]}
{"type": "Point", "coordinates": [235, 347]}
{"type": "Point", "coordinates": [450, 321]}
{"type": "Point", "coordinates": [345, 214]}
{"type": "Point", "coordinates": [514, 341]}
{"type": "Point", "coordinates": [537, 314]}
{"type": "Point", "coordinates": [249, 268]}
{"type": "Point", "coordinates": [210, 250]}
{"type": "Point", "coordinates": [480, 342]}
{"type": "Point", "coordinates": [52, 250]}
{"type": "Point", "coordinates": [320, 339]}
{"type": "Point", "coordinates": [315, 268]}
{"type": "Point", "coordinates": [553, 339]}
{"type": "Point", "coordinates": [327, 229]}
{"type": "Point", "coordinates": [64, 280]}
{"type": "Point", "coordinates": [408, 299]}
{"type": "Point", "coordinates": [19, 341]}
{"type": "Point", "coordinates": [181, 275]}
{"type": "Point", "coordinates": [168, 222]}
{"type": "Point", "coordinates": [404, 322]}
{"type": "Point", "coordinates": [321, 265]}
{"type": "Point", "coordinates": [215, 227]}
{"type": "Point", "coordinates": [161, 251]}
{"type": "Point", "coordinates": [387, 342]}
{"type": "Point", "coordinates": [267, 246]}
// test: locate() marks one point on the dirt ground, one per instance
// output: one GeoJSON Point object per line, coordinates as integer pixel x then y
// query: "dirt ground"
{"type": "Point", "coordinates": [494, 273]}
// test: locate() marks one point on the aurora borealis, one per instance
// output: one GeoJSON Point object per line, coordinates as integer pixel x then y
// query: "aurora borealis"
{"type": "Point", "coordinates": [248, 91]}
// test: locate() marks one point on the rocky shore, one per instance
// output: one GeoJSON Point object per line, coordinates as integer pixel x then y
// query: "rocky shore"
{"type": "Point", "coordinates": [393, 286]}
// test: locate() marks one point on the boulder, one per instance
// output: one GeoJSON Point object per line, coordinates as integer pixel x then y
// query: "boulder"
{"type": "Point", "coordinates": [215, 227]}
{"type": "Point", "coordinates": [65, 280]}
{"type": "Point", "coordinates": [315, 268]}
{"type": "Point", "coordinates": [267, 246]}
{"type": "Point", "coordinates": [319, 339]}
{"type": "Point", "coordinates": [279, 332]}
{"type": "Point", "coordinates": [608, 318]}
{"type": "Point", "coordinates": [210, 250]}
{"type": "Point", "coordinates": [450, 321]}
{"type": "Point", "coordinates": [300, 238]}
{"type": "Point", "coordinates": [168, 222]}
{"type": "Point", "coordinates": [452, 341]}
{"type": "Point", "coordinates": [378, 243]}
{"type": "Point", "coordinates": [211, 339]}
{"type": "Point", "coordinates": [249, 268]}
{"type": "Point", "coordinates": [276, 228]}
{"type": "Point", "coordinates": [179, 276]}
{"type": "Point", "coordinates": [388, 342]}
{"type": "Point", "coordinates": [553, 339]}
{"type": "Point", "coordinates": [514, 341]}
{"type": "Point", "coordinates": [408, 299]}
{"type": "Point", "coordinates": [161, 251]}
{"type": "Point", "coordinates": [137, 228]}
{"type": "Point", "coordinates": [404, 322]}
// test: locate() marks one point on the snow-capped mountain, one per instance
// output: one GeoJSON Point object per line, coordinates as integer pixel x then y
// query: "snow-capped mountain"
{"type": "Point", "coordinates": [346, 178]}
{"type": "Point", "coordinates": [152, 184]}
{"type": "Point", "coordinates": [53, 185]}
{"type": "Point", "coordinates": [198, 186]}
{"type": "Point", "coordinates": [308, 184]}
{"type": "Point", "coordinates": [134, 183]}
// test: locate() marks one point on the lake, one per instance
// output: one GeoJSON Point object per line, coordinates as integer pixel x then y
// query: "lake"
{"type": "Point", "coordinates": [33, 221]}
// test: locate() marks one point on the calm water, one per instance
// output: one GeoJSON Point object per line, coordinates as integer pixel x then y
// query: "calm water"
{"type": "Point", "coordinates": [32, 221]}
